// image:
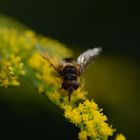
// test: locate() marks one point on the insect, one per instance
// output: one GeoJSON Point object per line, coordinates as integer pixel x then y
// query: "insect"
{"type": "Point", "coordinates": [70, 70]}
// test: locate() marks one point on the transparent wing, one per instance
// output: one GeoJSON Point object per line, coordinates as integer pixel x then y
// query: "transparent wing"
{"type": "Point", "coordinates": [87, 57]}
{"type": "Point", "coordinates": [43, 53]}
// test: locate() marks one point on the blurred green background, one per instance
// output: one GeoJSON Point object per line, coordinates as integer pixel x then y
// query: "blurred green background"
{"type": "Point", "coordinates": [113, 81]}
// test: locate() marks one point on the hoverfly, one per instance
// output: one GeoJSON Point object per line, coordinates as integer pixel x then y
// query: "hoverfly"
{"type": "Point", "coordinates": [70, 70]}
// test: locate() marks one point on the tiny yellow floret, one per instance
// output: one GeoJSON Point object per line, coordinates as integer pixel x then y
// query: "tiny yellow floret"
{"type": "Point", "coordinates": [83, 135]}
{"type": "Point", "coordinates": [120, 137]}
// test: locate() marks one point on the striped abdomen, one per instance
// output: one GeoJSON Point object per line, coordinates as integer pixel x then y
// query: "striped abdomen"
{"type": "Point", "coordinates": [69, 75]}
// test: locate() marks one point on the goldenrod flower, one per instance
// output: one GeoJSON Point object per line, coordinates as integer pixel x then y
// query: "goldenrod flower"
{"type": "Point", "coordinates": [73, 114]}
{"type": "Point", "coordinates": [83, 135]}
{"type": "Point", "coordinates": [90, 119]}
{"type": "Point", "coordinates": [120, 137]}
{"type": "Point", "coordinates": [10, 69]}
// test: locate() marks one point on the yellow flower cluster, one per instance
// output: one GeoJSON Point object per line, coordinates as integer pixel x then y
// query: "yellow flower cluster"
{"type": "Point", "coordinates": [120, 137]}
{"type": "Point", "coordinates": [90, 120]}
{"type": "Point", "coordinates": [10, 70]}
{"type": "Point", "coordinates": [14, 44]}
{"type": "Point", "coordinates": [19, 57]}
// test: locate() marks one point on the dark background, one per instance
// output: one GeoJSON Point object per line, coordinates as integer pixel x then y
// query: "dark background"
{"type": "Point", "coordinates": [114, 25]}
{"type": "Point", "coordinates": [111, 24]}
